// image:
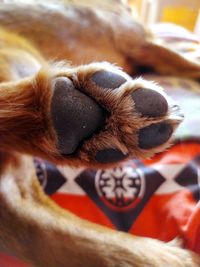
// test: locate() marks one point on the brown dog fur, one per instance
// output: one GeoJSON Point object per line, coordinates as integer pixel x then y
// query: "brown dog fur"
{"type": "Point", "coordinates": [32, 227]}
{"type": "Point", "coordinates": [60, 31]}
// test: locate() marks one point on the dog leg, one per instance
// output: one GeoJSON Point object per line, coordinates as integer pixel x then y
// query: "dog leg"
{"type": "Point", "coordinates": [164, 60]}
{"type": "Point", "coordinates": [89, 115]}
{"type": "Point", "coordinates": [36, 230]}
{"type": "Point", "coordinates": [111, 36]}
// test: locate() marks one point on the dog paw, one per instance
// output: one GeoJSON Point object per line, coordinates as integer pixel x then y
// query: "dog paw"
{"type": "Point", "coordinates": [101, 116]}
{"type": "Point", "coordinates": [166, 255]}
{"type": "Point", "coordinates": [148, 252]}
{"type": "Point", "coordinates": [175, 257]}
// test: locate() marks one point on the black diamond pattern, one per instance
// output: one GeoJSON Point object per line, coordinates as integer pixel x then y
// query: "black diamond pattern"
{"type": "Point", "coordinates": [50, 173]}
{"type": "Point", "coordinates": [123, 220]}
{"type": "Point", "coordinates": [188, 177]}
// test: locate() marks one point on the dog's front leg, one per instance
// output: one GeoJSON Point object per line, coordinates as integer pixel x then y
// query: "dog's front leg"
{"type": "Point", "coordinates": [35, 229]}
{"type": "Point", "coordinates": [92, 115]}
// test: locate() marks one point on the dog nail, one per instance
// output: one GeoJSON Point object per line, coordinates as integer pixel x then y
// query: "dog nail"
{"type": "Point", "coordinates": [107, 79]}
{"type": "Point", "coordinates": [154, 135]}
{"type": "Point", "coordinates": [109, 155]}
{"type": "Point", "coordinates": [75, 116]}
{"type": "Point", "coordinates": [149, 102]}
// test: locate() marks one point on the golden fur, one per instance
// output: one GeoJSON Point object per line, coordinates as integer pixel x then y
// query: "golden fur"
{"type": "Point", "coordinates": [32, 227]}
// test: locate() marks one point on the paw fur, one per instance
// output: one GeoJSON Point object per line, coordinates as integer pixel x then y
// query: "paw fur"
{"type": "Point", "coordinates": [102, 116]}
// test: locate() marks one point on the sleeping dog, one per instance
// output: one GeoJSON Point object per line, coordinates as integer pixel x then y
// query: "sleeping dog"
{"type": "Point", "coordinates": [91, 114]}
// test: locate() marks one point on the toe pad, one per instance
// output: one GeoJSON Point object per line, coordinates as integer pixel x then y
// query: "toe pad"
{"type": "Point", "coordinates": [149, 102]}
{"type": "Point", "coordinates": [107, 79]}
{"type": "Point", "coordinates": [155, 135]}
{"type": "Point", "coordinates": [109, 155]}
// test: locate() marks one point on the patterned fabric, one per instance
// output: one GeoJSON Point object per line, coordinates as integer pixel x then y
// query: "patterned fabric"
{"type": "Point", "coordinates": [178, 39]}
{"type": "Point", "coordinates": [157, 198]}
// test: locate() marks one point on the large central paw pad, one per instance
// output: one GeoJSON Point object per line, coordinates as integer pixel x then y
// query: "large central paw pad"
{"type": "Point", "coordinates": [75, 116]}
{"type": "Point", "coordinates": [101, 115]}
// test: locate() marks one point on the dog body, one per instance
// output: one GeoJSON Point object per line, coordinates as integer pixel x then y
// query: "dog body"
{"type": "Point", "coordinates": [32, 227]}
{"type": "Point", "coordinates": [83, 32]}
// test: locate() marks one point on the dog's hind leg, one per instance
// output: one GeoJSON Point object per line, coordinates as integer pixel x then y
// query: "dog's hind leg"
{"type": "Point", "coordinates": [164, 60]}
{"type": "Point", "coordinates": [109, 36]}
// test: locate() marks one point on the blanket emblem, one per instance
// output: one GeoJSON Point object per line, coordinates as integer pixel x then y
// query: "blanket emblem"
{"type": "Point", "coordinates": [120, 188]}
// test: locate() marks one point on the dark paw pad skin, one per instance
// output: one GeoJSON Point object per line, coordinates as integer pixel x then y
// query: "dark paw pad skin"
{"type": "Point", "coordinates": [154, 135]}
{"type": "Point", "coordinates": [107, 79]}
{"type": "Point", "coordinates": [149, 102]}
{"type": "Point", "coordinates": [109, 155]}
{"type": "Point", "coordinates": [75, 116]}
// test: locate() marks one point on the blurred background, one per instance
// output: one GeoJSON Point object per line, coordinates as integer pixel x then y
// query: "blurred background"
{"type": "Point", "coordinates": [182, 12]}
